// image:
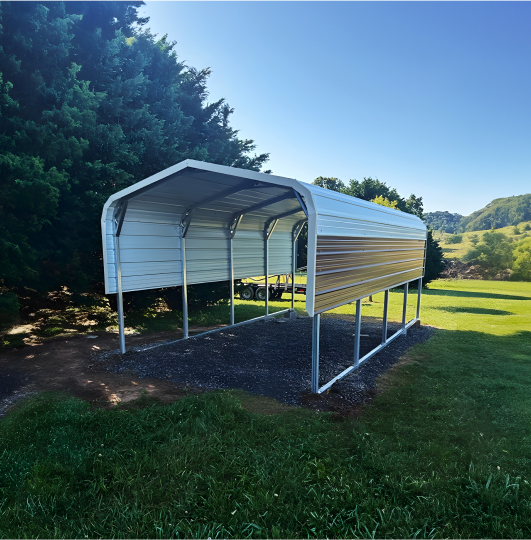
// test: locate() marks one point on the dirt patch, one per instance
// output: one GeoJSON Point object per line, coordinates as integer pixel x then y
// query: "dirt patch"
{"type": "Point", "coordinates": [66, 364]}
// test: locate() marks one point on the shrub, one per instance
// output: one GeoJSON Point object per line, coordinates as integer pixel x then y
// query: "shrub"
{"type": "Point", "coordinates": [9, 310]}
{"type": "Point", "coordinates": [522, 262]}
{"type": "Point", "coordinates": [493, 255]}
{"type": "Point", "coordinates": [455, 239]}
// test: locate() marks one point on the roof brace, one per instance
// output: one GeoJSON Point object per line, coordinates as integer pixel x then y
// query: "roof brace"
{"type": "Point", "coordinates": [187, 218]}
{"type": "Point", "coordinates": [286, 214]}
{"type": "Point", "coordinates": [269, 228]}
{"type": "Point", "coordinates": [119, 216]}
{"type": "Point", "coordinates": [185, 223]}
{"type": "Point", "coordinates": [298, 229]}
{"type": "Point", "coordinates": [301, 202]}
{"type": "Point", "coordinates": [234, 225]}
{"type": "Point", "coordinates": [266, 203]}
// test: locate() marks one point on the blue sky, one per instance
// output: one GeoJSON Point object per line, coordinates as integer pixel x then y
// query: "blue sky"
{"type": "Point", "coordinates": [431, 98]}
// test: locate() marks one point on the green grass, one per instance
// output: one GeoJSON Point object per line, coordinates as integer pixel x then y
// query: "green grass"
{"type": "Point", "coordinates": [443, 452]}
{"type": "Point", "coordinates": [458, 251]}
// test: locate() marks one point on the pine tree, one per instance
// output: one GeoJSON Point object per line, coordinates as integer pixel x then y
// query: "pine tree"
{"type": "Point", "coordinates": [90, 102]}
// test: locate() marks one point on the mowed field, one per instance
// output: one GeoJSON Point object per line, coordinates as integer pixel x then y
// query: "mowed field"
{"type": "Point", "coordinates": [442, 451]}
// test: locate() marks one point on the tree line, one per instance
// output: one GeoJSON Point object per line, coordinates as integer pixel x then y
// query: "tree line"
{"type": "Point", "coordinates": [90, 103]}
{"type": "Point", "coordinates": [373, 190]}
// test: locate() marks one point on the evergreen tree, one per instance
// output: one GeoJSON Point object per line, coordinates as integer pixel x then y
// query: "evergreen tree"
{"type": "Point", "coordinates": [90, 103]}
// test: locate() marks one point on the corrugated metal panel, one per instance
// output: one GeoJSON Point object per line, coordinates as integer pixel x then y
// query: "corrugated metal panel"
{"type": "Point", "coordinates": [348, 267]}
{"type": "Point", "coordinates": [150, 244]}
{"type": "Point", "coordinates": [324, 302]}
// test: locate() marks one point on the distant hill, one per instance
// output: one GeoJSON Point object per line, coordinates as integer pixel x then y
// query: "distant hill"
{"type": "Point", "coordinates": [497, 214]}
{"type": "Point", "coordinates": [443, 221]}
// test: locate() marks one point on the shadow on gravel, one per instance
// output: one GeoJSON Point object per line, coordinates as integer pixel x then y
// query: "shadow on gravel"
{"type": "Point", "coordinates": [273, 358]}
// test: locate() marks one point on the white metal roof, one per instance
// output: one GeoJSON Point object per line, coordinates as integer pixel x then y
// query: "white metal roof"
{"type": "Point", "coordinates": [150, 249]}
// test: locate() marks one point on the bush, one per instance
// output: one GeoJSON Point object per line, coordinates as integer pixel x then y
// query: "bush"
{"type": "Point", "coordinates": [522, 262]}
{"type": "Point", "coordinates": [455, 239]}
{"type": "Point", "coordinates": [516, 230]}
{"type": "Point", "coordinates": [493, 255]}
{"type": "Point", "coordinates": [9, 310]}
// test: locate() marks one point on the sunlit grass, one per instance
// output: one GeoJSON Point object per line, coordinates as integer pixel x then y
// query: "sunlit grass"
{"type": "Point", "coordinates": [443, 452]}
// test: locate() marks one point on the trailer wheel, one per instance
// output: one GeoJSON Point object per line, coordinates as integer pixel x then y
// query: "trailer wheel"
{"type": "Point", "coordinates": [247, 293]}
{"type": "Point", "coordinates": [260, 294]}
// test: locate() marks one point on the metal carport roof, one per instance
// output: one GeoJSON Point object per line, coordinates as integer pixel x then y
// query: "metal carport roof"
{"type": "Point", "coordinates": [198, 222]}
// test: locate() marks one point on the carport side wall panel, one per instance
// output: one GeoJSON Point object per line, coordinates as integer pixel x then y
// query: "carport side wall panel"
{"type": "Point", "coordinates": [151, 255]}
{"type": "Point", "coordinates": [150, 251]}
{"type": "Point", "coordinates": [348, 269]}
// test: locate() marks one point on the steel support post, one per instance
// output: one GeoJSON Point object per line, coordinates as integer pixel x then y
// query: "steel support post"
{"type": "Point", "coordinates": [357, 333]}
{"type": "Point", "coordinates": [315, 352]}
{"type": "Point", "coordinates": [266, 264]}
{"type": "Point", "coordinates": [385, 316]}
{"type": "Point", "coordinates": [419, 295]}
{"type": "Point", "coordinates": [185, 290]}
{"type": "Point", "coordinates": [119, 299]}
{"type": "Point", "coordinates": [231, 278]}
{"type": "Point", "coordinates": [404, 309]}
{"type": "Point", "coordinates": [293, 270]}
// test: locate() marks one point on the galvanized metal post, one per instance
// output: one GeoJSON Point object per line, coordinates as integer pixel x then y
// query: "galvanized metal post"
{"type": "Point", "coordinates": [119, 299]}
{"type": "Point", "coordinates": [266, 261]}
{"type": "Point", "coordinates": [185, 290]}
{"type": "Point", "coordinates": [404, 309]}
{"type": "Point", "coordinates": [315, 352]}
{"type": "Point", "coordinates": [357, 332]}
{"type": "Point", "coordinates": [385, 316]}
{"type": "Point", "coordinates": [293, 270]}
{"type": "Point", "coordinates": [231, 278]}
{"type": "Point", "coordinates": [419, 294]}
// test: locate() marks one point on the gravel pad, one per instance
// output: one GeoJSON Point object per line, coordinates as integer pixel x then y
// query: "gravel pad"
{"type": "Point", "coordinates": [273, 358]}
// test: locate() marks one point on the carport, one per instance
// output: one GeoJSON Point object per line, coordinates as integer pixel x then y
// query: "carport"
{"type": "Point", "coordinates": [198, 222]}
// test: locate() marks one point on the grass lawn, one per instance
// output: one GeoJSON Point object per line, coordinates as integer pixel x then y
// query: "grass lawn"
{"type": "Point", "coordinates": [444, 451]}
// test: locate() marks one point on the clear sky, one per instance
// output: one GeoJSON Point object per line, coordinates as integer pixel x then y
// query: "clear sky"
{"type": "Point", "coordinates": [431, 98]}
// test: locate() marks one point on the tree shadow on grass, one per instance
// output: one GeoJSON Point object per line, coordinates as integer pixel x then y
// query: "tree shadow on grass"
{"type": "Point", "coordinates": [468, 294]}
{"type": "Point", "coordinates": [473, 310]}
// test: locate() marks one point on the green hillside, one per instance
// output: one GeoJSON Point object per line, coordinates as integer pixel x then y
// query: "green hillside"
{"type": "Point", "coordinates": [499, 213]}
{"type": "Point", "coordinates": [458, 250]}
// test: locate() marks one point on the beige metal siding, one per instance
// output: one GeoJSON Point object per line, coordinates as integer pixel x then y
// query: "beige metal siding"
{"type": "Point", "coordinates": [348, 268]}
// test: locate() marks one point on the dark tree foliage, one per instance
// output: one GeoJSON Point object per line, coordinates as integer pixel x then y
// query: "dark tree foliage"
{"type": "Point", "coordinates": [90, 103]}
{"type": "Point", "coordinates": [434, 259]}
{"type": "Point", "coordinates": [444, 221]}
{"type": "Point", "coordinates": [329, 183]}
{"type": "Point", "coordinates": [369, 189]}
